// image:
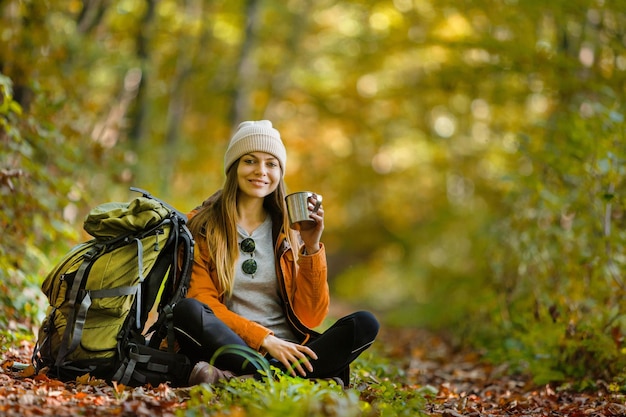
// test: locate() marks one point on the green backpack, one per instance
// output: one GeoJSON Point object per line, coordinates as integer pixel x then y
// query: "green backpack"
{"type": "Point", "coordinates": [102, 292]}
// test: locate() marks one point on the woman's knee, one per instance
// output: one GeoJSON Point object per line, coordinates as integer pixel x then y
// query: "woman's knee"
{"type": "Point", "coordinates": [189, 310]}
{"type": "Point", "coordinates": [366, 323]}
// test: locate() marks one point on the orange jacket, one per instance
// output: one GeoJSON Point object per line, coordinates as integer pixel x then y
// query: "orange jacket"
{"type": "Point", "coordinates": [304, 290]}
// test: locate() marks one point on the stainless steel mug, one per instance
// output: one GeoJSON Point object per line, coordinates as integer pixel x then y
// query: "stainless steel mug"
{"type": "Point", "coordinates": [298, 209]}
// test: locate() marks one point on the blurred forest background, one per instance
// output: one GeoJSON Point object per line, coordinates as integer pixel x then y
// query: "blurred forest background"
{"type": "Point", "coordinates": [471, 154]}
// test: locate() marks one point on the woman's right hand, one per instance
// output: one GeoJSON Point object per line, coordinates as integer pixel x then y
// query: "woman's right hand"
{"type": "Point", "coordinates": [291, 355]}
{"type": "Point", "coordinates": [311, 237]}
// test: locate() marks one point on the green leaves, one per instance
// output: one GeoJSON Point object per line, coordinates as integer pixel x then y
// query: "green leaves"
{"type": "Point", "coordinates": [379, 389]}
{"type": "Point", "coordinates": [284, 396]}
{"type": "Point", "coordinates": [7, 105]}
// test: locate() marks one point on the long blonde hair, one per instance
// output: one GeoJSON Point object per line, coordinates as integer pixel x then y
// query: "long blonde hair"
{"type": "Point", "coordinates": [216, 222]}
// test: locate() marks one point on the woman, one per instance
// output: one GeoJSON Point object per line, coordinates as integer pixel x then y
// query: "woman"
{"type": "Point", "coordinates": [257, 283]}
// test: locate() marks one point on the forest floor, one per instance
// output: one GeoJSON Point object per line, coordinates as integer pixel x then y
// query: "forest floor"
{"type": "Point", "coordinates": [467, 386]}
{"type": "Point", "coordinates": [459, 385]}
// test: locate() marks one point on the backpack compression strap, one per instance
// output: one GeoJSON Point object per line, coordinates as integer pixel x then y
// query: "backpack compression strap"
{"type": "Point", "coordinates": [88, 260]}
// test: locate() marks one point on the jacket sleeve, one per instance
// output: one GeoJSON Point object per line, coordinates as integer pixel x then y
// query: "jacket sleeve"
{"type": "Point", "coordinates": [204, 288]}
{"type": "Point", "coordinates": [308, 289]}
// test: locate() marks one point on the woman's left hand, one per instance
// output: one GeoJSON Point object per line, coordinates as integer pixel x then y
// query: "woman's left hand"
{"type": "Point", "coordinates": [311, 237]}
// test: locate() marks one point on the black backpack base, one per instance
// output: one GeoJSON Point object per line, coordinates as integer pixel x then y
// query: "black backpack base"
{"type": "Point", "coordinates": [141, 365]}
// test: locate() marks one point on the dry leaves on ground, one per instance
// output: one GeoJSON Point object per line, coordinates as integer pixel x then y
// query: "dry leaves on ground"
{"type": "Point", "coordinates": [467, 387]}
{"type": "Point", "coordinates": [24, 394]}
{"type": "Point", "coordinates": [464, 386]}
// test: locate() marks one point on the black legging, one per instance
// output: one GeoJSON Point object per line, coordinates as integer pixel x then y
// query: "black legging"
{"type": "Point", "coordinates": [200, 333]}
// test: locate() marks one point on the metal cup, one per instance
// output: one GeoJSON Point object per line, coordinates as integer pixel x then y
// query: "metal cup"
{"type": "Point", "coordinates": [298, 209]}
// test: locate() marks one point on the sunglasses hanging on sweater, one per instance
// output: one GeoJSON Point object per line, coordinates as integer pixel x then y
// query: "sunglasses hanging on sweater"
{"type": "Point", "coordinates": [248, 266]}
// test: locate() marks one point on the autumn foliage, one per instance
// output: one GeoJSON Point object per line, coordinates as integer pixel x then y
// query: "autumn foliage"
{"type": "Point", "coordinates": [471, 156]}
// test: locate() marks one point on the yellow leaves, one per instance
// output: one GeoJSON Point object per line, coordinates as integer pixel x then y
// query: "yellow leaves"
{"type": "Point", "coordinates": [118, 388]}
{"type": "Point", "coordinates": [384, 18]}
{"type": "Point", "coordinates": [83, 379]}
{"type": "Point", "coordinates": [455, 27]}
{"type": "Point", "coordinates": [614, 387]}
{"type": "Point", "coordinates": [87, 379]}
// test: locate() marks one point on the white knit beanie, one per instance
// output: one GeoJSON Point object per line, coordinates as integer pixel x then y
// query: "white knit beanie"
{"type": "Point", "coordinates": [255, 136]}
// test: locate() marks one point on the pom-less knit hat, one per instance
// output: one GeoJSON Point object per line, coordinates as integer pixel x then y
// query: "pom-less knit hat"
{"type": "Point", "coordinates": [257, 136]}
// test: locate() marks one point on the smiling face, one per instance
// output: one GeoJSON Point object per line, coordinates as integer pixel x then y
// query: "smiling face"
{"type": "Point", "coordinates": [258, 174]}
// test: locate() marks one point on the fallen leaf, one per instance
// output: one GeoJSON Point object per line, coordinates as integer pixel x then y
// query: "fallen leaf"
{"type": "Point", "coordinates": [27, 372]}
{"type": "Point", "coordinates": [7, 366]}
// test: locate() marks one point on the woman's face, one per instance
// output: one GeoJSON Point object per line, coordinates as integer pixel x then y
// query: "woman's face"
{"type": "Point", "coordinates": [258, 174]}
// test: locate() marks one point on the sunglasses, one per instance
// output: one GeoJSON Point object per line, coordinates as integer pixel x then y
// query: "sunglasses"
{"type": "Point", "coordinates": [248, 266]}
